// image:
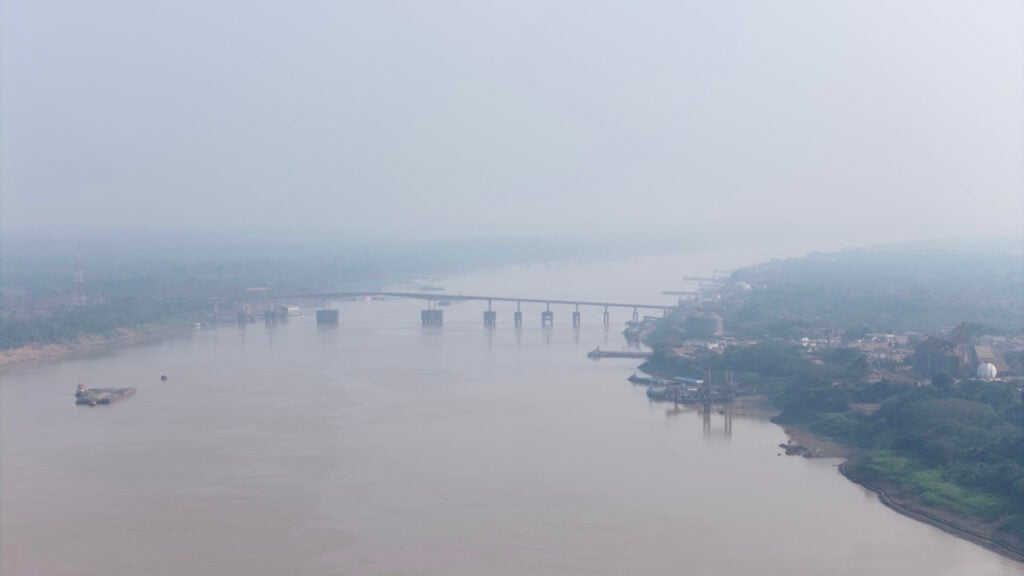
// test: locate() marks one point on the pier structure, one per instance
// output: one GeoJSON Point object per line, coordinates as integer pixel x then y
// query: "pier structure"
{"type": "Point", "coordinates": [726, 417]}
{"type": "Point", "coordinates": [433, 316]}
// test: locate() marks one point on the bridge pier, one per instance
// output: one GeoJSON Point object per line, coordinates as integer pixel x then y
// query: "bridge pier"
{"type": "Point", "coordinates": [432, 317]}
{"type": "Point", "coordinates": [517, 318]}
{"type": "Point", "coordinates": [547, 318]}
{"type": "Point", "coordinates": [490, 318]}
{"type": "Point", "coordinates": [327, 316]}
{"type": "Point", "coordinates": [636, 315]}
{"type": "Point", "coordinates": [606, 318]}
{"type": "Point", "coordinates": [576, 319]}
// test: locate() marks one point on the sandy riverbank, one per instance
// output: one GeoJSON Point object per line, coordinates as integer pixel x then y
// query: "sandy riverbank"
{"type": "Point", "coordinates": [94, 343]}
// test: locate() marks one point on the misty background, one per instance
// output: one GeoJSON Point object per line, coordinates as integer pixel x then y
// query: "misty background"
{"type": "Point", "coordinates": [761, 121]}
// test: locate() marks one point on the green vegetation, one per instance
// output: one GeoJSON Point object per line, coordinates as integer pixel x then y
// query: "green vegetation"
{"type": "Point", "coordinates": [927, 484]}
{"type": "Point", "coordinates": [67, 324]}
{"type": "Point", "coordinates": [912, 287]}
{"type": "Point", "coordinates": [957, 445]}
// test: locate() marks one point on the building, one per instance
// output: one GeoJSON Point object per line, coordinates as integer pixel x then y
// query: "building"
{"type": "Point", "coordinates": [981, 355]}
{"type": "Point", "coordinates": [936, 355]}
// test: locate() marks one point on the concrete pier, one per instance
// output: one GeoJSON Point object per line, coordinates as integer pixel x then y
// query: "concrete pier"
{"type": "Point", "coordinates": [576, 319]}
{"type": "Point", "coordinates": [517, 319]}
{"type": "Point", "coordinates": [636, 315]}
{"type": "Point", "coordinates": [547, 318]}
{"type": "Point", "coordinates": [490, 318]}
{"type": "Point", "coordinates": [606, 317]}
{"type": "Point", "coordinates": [432, 317]}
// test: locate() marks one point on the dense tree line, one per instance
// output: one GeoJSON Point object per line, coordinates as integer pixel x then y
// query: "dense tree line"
{"type": "Point", "coordinates": [70, 323]}
{"type": "Point", "coordinates": [887, 289]}
{"type": "Point", "coordinates": [959, 445]}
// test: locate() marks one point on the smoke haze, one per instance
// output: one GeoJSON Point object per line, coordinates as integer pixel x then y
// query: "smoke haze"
{"type": "Point", "coordinates": [869, 121]}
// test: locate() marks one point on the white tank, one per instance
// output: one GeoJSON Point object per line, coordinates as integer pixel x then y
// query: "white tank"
{"type": "Point", "coordinates": [986, 371]}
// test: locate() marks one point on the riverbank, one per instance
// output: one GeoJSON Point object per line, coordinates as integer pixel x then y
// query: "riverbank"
{"type": "Point", "coordinates": [981, 532]}
{"type": "Point", "coordinates": [87, 344]}
{"type": "Point", "coordinates": [803, 442]}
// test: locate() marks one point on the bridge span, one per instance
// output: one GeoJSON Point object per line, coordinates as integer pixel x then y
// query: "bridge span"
{"type": "Point", "coordinates": [434, 316]}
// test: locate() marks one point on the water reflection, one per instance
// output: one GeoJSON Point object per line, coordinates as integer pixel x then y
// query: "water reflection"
{"type": "Point", "coordinates": [708, 418]}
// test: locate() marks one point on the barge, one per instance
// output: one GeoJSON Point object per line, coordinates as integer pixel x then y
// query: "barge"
{"type": "Point", "coordinates": [94, 396]}
{"type": "Point", "coordinates": [598, 353]}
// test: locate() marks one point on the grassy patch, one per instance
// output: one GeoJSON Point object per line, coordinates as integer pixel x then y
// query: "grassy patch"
{"type": "Point", "coordinates": [927, 485]}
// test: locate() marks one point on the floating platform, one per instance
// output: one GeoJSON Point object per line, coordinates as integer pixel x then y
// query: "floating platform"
{"type": "Point", "coordinates": [94, 396]}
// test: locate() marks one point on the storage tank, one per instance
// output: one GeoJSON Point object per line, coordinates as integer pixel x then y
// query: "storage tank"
{"type": "Point", "coordinates": [987, 371]}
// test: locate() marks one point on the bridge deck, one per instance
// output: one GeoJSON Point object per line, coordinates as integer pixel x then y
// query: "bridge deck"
{"type": "Point", "coordinates": [442, 296]}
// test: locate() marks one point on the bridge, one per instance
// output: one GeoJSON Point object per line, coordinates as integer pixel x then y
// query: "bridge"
{"type": "Point", "coordinates": [433, 316]}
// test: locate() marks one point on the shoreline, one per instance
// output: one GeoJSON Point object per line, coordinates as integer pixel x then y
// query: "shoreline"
{"type": "Point", "coordinates": [979, 532]}
{"type": "Point", "coordinates": [802, 442]}
{"type": "Point", "coordinates": [85, 344]}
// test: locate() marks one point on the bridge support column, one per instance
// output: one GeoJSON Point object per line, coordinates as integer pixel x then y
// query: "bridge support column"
{"type": "Point", "coordinates": [432, 317]}
{"type": "Point", "coordinates": [636, 315]}
{"type": "Point", "coordinates": [547, 318]}
{"type": "Point", "coordinates": [517, 317]}
{"type": "Point", "coordinates": [605, 316]}
{"type": "Point", "coordinates": [490, 318]}
{"type": "Point", "coordinates": [576, 319]}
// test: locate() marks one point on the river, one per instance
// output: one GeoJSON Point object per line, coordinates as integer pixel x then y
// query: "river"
{"type": "Point", "coordinates": [381, 447]}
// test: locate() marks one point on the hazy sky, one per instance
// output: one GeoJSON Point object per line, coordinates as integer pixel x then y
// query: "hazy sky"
{"type": "Point", "coordinates": [872, 120]}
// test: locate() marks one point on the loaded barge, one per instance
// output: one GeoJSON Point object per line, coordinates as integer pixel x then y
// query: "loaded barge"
{"type": "Point", "coordinates": [94, 396]}
{"type": "Point", "coordinates": [598, 353]}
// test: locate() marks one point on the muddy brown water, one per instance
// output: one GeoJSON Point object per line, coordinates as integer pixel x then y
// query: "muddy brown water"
{"type": "Point", "coordinates": [381, 447]}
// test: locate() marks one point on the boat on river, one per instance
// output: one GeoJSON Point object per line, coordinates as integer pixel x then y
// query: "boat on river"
{"type": "Point", "coordinates": [598, 353]}
{"type": "Point", "coordinates": [94, 396]}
